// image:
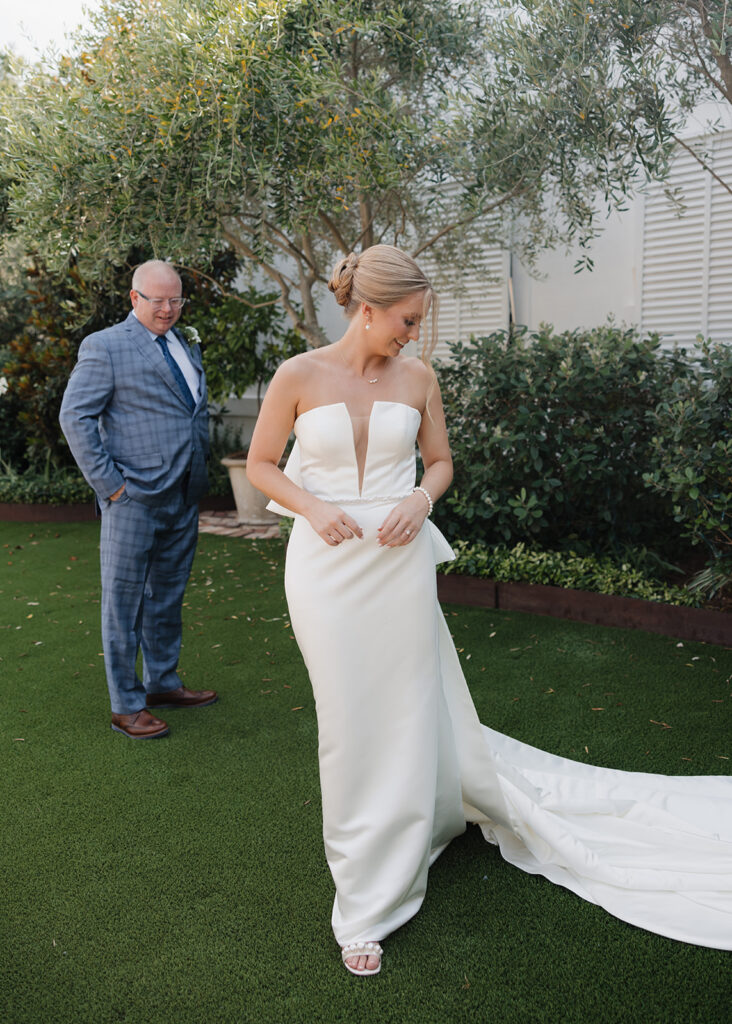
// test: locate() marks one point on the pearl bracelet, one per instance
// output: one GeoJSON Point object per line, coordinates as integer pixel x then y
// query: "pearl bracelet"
{"type": "Point", "coordinates": [428, 497]}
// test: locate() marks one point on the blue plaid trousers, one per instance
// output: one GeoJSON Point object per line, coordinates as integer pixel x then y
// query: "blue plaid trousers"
{"type": "Point", "coordinates": [146, 556]}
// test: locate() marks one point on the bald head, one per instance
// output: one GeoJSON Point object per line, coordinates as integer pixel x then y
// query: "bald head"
{"type": "Point", "coordinates": [152, 271]}
{"type": "Point", "coordinates": [155, 287]}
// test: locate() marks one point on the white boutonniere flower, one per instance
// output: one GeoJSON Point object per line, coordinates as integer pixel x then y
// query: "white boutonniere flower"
{"type": "Point", "coordinates": [191, 335]}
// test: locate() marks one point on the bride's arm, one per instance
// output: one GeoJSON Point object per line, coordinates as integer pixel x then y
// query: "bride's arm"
{"type": "Point", "coordinates": [434, 446]}
{"type": "Point", "coordinates": [274, 425]}
{"type": "Point", "coordinates": [405, 519]}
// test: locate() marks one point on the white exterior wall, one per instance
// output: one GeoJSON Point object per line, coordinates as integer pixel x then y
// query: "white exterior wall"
{"type": "Point", "coordinates": [556, 295]}
{"type": "Point", "coordinates": [653, 269]}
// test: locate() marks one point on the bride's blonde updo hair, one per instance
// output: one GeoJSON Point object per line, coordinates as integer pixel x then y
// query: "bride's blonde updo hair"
{"type": "Point", "coordinates": [381, 276]}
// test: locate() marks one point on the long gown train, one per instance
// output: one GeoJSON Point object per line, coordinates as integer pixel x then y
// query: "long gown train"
{"type": "Point", "coordinates": [404, 761]}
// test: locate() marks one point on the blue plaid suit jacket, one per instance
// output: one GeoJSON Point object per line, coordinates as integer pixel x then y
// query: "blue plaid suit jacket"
{"type": "Point", "coordinates": [127, 422]}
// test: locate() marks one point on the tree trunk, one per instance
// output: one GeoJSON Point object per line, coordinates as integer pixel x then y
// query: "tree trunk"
{"type": "Point", "coordinates": [308, 326]}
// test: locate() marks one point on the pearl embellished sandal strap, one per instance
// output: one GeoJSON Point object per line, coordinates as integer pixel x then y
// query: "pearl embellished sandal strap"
{"type": "Point", "coordinates": [361, 949]}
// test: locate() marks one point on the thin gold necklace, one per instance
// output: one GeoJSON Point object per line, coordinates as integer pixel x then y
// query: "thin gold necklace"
{"type": "Point", "coordinates": [369, 380]}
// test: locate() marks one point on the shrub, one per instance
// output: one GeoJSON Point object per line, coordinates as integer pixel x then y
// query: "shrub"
{"type": "Point", "coordinates": [62, 487]}
{"type": "Point", "coordinates": [66, 486]}
{"type": "Point", "coordinates": [243, 342]}
{"type": "Point", "coordinates": [550, 439]}
{"type": "Point", "coordinates": [223, 439]}
{"type": "Point", "coordinates": [13, 441]}
{"type": "Point", "coordinates": [598, 574]}
{"type": "Point", "coordinates": [40, 352]}
{"type": "Point", "coordinates": [692, 454]}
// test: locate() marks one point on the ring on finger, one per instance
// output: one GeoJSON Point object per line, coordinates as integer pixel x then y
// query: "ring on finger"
{"type": "Point", "coordinates": [408, 532]}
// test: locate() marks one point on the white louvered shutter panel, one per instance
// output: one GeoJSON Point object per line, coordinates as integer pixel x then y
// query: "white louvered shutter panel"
{"type": "Point", "coordinates": [687, 259]}
{"type": "Point", "coordinates": [480, 308]}
{"type": "Point", "coordinates": [719, 299]}
{"type": "Point", "coordinates": [448, 324]}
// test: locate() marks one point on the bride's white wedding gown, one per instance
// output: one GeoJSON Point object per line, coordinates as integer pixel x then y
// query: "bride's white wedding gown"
{"type": "Point", "coordinates": [404, 761]}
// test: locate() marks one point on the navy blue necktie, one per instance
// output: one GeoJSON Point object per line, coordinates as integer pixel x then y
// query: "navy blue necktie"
{"type": "Point", "coordinates": [177, 372]}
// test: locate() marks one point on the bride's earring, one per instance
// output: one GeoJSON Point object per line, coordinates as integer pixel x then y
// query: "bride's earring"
{"type": "Point", "coordinates": [368, 327]}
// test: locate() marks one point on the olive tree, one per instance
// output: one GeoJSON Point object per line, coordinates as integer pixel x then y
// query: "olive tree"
{"type": "Point", "coordinates": [295, 130]}
{"type": "Point", "coordinates": [604, 88]}
{"type": "Point", "coordinates": [290, 130]}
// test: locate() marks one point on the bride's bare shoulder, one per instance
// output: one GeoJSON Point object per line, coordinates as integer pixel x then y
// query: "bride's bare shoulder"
{"type": "Point", "coordinates": [418, 376]}
{"type": "Point", "coordinates": [300, 369]}
{"type": "Point", "coordinates": [418, 370]}
{"type": "Point", "coordinates": [305, 364]}
{"type": "Point", "coordinates": [416, 382]}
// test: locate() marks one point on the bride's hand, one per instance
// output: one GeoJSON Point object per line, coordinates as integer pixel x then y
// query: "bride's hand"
{"type": "Point", "coordinates": [404, 522]}
{"type": "Point", "coordinates": [333, 524]}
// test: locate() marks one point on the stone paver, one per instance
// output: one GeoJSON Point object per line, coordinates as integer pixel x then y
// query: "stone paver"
{"type": "Point", "coordinates": [227, 525]}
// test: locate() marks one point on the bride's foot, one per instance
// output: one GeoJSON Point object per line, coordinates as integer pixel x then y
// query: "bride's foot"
{"type": "Point", "coordinates": [362, 958]}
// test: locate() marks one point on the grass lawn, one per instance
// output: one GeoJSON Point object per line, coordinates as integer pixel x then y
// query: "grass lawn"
{"type": "Point", "coordinates": [183, 880]}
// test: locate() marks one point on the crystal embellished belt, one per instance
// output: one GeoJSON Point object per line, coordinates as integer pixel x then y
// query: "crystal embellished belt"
{"type": "Point", "coordinates": [377, 499]}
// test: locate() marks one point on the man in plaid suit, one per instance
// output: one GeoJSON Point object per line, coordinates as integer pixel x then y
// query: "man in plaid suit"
{"type": "Point", "coordinates": [135, 416]}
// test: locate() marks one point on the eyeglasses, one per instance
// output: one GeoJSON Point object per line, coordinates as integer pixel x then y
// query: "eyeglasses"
{"type": "Point", "coordinates": [159, 303]}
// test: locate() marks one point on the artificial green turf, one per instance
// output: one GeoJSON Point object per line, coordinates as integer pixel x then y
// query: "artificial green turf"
{"type": "Point", "coordinates": [183, 880]}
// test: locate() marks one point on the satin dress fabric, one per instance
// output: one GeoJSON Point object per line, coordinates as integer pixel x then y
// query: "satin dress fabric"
{"type": "Point", "coordinates": [404, 761]}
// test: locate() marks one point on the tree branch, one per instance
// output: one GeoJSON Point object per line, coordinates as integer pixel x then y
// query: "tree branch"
{"type": "Point", "coordinates": [367, 221]}
{"type": "Point", "coordinates": [721, 59]}
{"type": "Point", "coordinates": [307, 247]}
{"type": "Point", "coordinates": [285, 243]}
{"type": "Point", "coordinates": [314, 335]}
{"type": "Point", "coordinates": [400, 230]}
{"type": "Point", "coordinates": [195, 272]}
{"type": "Point", "coordinates": [359, 238]}
{"type": "Point", "coordinates": [337, 236]}
{"type": "Point", "coordinates": [306, 284]}
{"type": "Point", "coordinates": [703, 163]}
{"type": "Point", "coordinates": [512, 194]}
{"type": "Point", "coordinates": [704, 70]}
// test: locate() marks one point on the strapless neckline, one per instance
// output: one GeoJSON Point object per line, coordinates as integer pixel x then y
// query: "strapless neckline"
{"type": "Point", "coordinates": [378, 401]}
{"type": "Point", "coordinates": [361, 464]}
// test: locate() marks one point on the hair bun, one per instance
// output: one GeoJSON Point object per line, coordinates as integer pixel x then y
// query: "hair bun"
{"type": "Point", "coordinates": [341, 280]}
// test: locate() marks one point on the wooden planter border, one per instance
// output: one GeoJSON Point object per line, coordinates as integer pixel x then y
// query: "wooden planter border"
{"type": "Point", "coordinates": [84, 513]}
{"type": "Point", "coordinates": [710, 627]}
{"type": "Point", "coordinates": [14, 513]}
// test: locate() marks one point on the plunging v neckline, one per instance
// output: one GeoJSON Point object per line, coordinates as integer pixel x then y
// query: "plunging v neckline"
{"type": "Point", "coordinates": [360, 469]}
{"type": "Point", "coordinates": [360, 466]}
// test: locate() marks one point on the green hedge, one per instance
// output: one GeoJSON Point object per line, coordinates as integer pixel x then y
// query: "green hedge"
{"type": "Point", "coordinates": [67, 488]}
{"type": "Point", "coordinates": [593, 441]}
{"type": "Point", "coordinates": [551, 435]}
{"type": "Point", "coordinates": [600, 575]}
{"type": "Point", "coordinates": [692, 460]}
{"type": "Point", "coordinates": [55, 485]}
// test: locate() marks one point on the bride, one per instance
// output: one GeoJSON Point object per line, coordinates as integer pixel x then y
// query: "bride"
{"type": "Point", "coordinates": [404, 761]}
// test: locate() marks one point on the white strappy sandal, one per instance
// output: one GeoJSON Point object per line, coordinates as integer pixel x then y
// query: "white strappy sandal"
{"type": "Point", "coordinates": [361, 949]}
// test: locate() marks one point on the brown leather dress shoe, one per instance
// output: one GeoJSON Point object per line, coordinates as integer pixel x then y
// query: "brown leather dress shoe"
{"type": "Point", "coordinates": [140, 726]}
{"type": "Point", "coordinates": [182, 698]}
